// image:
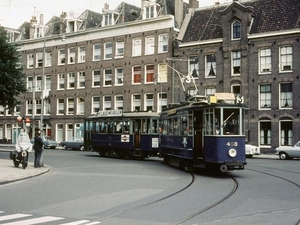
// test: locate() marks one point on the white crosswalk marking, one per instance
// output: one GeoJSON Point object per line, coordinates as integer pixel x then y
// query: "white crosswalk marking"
{"type": "Point", "coordinates": [13, 216]}
{"type": "Point", "coordinates": [39, 220]}
{"type": "Point", "coordinates": [80, 222]}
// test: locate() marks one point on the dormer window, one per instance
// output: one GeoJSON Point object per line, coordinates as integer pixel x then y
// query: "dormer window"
{"type": "Point", "coordinates": [149, 12]}
{"type": "Point", "coordinates": [236, 30]}
{"type": "Point", "coordinates": [107, 19]}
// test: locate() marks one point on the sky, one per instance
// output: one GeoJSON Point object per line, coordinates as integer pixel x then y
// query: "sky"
{"type": "Point", "coordinates": [13, 13]}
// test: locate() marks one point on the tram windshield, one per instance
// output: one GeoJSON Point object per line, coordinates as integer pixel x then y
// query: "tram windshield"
{"type": "Point", "coordinates": [223, 121]}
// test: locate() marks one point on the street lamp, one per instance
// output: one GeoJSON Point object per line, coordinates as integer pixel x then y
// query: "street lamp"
{"type": "Point", "coordinates": [43, 72]}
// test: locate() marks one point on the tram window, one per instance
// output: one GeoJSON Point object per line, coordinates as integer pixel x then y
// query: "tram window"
{"type": "Point", "coordinates": [103, 127]}
{"type": "Point", "coordinates": [170, 127]}
{"type": "Point", "coordinates": [176, 126]}
{"type": "Point", "coordinates": [231, 123]}
{"type": "Point", "coordinates": [118, 127]}
{"type": "Point", "coordinates": [164, 127]}
{"type": "Point", "coordinates": [190, 127]}
{"type": "Point", "coordinates": [126, 127]}
{"type": "Point", "coordinates": [110, 127]}
{"type": "Point", "coordinates": [184, 125]}
{"type": "Point", "coordinates": [154, 126]}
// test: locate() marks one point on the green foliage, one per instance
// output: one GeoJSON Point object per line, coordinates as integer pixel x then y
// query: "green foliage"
{"type": "Point", "coordinates": [12, 78]}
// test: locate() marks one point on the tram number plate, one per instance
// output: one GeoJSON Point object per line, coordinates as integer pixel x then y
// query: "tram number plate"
{"type": "Point", "coordinates": [232, 143]}
{"type": "Point", "coordinates": [154, 142]}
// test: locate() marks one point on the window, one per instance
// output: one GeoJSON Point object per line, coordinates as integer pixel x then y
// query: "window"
{"type": "Point", "coordinates": [29, 107]}
{"type": "Point", "coordinates": [149, 102]}
{"type": "Point", "coordinates": [286, 95]}
{"type": "Point", "coordinates": [211, 65]}
{"type": "Point", "coordinates": [149, 45]}
{"type": "Point", "coordinates": [119, 102]}
{"type": "Point", "coordinates": [95, 104]}
{"type": "Point", "coordinates": [162, 101]}
{"type": "Point", "coordinates": [48, 82]}
{"type": "Point", "coordinates": [265, 60]}
{"type": "Point", "coordinates": [80, 106]}
{"type": "Point", "coordinates": [163, 43]}
{"type": "Point", "coordinates": [210, 91]}
{"type": "Point", "coordinates": [30, 58]}
{"type": "Point", "coordinates": [108, 19]}
{"type": "Point", "coordinates": [149, 12]}
{"type": "Point", "coordinates": [149, 73]}
{"type": "Point", "coordinates": [137, 47]}
{"type": "Point", "coordinates": [162, 73]}
{"type": "Point", "coordinates": [236, 89]}
{"type": "Point", "coordinates": [71, 54]}
{"type": "Point", "coordinates": [39, 59]}
{"type": "Point", "coordinates": [96, 78]}
{"type": "Point", "coordinates": [136, 102]}
{"type": "Point", "coordinates": [61, 81]}
{"type": "Point", "coordinates": [265, 132]}
{"type": "Point", "coordinates": [48, 61]}
{"type": "Point", "coordinates": [236, 30]}
{"type": "Point", "coordinates": [96, 52]}
{"type": "Point", "coordinates": [81, 79]}
{"type": "Point", "coordinates": [71, 80]}
{"type": "Point", "coordinates": [70, 106]}
{"type": "Point", "coordinates": [59, 132]}
{"type": "Point", "coordinates": [286, 58]}
{"type": "Point", "coordinates": [119, 76]}
{"type": "Point", "coordinates": [265, 96]}
{"type": "Point", "coordinates": [108, 50]}
{"type": "Point", "coordinates": [107, 103]}
{"type": "Point", "coordinates": [236, 63]}
{"type": "Point", "coordinates": [2, 110]}
{"type": "Point", "coordinates": [286, 133]}
{"type": "Point", "coordinates": [61, 57]}
{"type": "Point", "coordinates": [30, 84]}
{"type": "Point", "coordinates": [193, 67]}
{"type": "Point", "coordinates": [119, 49]}
{"type": "Point", "coordinates": [81, 54]}
{"type": "Point", "coordinates": [60, 106]}
{"type": "Point", "coordinates": [137, 74]}
{"type": "Point", "coordinates": [107, 77]}
{"type": "Point", "coordinates": [69, 131]}
{"type": "Point", "coordinates": [47, 106]}
{"type": "Point", "coordinates": [38, 83]}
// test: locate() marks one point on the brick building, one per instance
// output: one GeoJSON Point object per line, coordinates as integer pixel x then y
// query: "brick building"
{"type": "Point", "coordinates": [76, 66]}
{"type": "Point", "coordinates": [250, 48]}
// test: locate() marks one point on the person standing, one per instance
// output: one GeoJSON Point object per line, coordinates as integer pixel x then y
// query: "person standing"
{"type": "Point", "coordinates": [38, 149]}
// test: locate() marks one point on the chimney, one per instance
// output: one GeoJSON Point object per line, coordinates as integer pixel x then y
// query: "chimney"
{"type": "Point", "coordinates": [193, 4]}
{"type": "Point", "coordinates": [33, 23]}
{"type": "Point", "coordinates": [42, 19]}
{"type": "Point", "coordinates": [179, 12]}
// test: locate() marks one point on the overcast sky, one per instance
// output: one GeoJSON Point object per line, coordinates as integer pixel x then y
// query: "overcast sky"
{"type": "Point", "coordinates": [14, 12]}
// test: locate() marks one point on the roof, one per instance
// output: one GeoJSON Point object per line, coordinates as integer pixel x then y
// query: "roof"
{"type": "Point", "coordinates": [269, 16]}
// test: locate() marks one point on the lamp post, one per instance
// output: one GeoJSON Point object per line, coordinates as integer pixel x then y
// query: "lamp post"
{"type": "Point", "coordinates": [43, 75]}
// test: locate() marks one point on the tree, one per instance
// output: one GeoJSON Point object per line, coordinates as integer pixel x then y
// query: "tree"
{"type": "Point", "coordinates": [12, 78]}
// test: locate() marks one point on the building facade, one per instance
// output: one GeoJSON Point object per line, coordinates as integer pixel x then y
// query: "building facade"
{"type": "Point", "coordinates": [250, 48]}
{"type": "Point", "coordinates": [98, 61]}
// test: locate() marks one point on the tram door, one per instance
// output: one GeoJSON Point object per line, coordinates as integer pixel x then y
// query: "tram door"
{"type": "Point", "coordinates": [137, 133]}
{"type": "Point", "coordinates": [198, 125]}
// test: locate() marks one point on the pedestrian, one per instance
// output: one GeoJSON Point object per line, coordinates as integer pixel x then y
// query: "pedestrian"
{"type": "Point", "coordinates": [38, 149]}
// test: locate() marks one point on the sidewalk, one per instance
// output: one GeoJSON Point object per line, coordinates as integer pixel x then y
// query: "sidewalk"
{"type": "Point", "coordinates": [9, 173]}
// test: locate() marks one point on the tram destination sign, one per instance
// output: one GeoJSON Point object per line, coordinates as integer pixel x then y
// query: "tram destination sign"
{"type": "Point", "coordinates": [107, 113]}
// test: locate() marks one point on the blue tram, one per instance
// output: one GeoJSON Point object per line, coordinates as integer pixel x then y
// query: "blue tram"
{"type": "Point", "coordinates": [122, 134]}
{"type": "Point", "coordinates": [207, 134]}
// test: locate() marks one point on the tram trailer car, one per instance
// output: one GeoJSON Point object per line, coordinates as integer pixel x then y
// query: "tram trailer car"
{"type": "Point", "coordinates": [206, 135]}
{"type": "Point", "coordinates": [121, 134]}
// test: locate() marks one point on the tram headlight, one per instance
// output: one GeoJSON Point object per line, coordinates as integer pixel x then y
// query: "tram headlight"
{"type": "Point", "coordinates": [232, 152]}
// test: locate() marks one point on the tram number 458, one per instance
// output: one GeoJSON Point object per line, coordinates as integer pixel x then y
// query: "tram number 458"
{"type": "Point", "coordinates": [232, 144]}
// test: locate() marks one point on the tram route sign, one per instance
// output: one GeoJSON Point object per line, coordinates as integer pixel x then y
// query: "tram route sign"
{"type": "Point", "coordinates": [125, 138]}
{"type": "Point", "coordinates": [110, 113]}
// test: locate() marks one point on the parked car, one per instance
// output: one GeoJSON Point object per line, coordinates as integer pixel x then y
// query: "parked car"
{"type": "Point", "coordinates": [289, 152]}
{"type": "Point", "coordinates": [251, 150]}
{"type": "Point", "coordinates": [74, 143]}
{"type": "Point", "coordinates": [48, 142]}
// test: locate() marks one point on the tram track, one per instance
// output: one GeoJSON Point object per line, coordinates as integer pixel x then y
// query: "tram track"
{"type": "Point", "coordinates": [234, 189]}
{"type": "Point", "coordinates": [151, 202]}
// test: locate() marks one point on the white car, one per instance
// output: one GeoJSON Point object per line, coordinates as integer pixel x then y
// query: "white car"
{"type": "Point", "coordinates": [251, 150]}
{"type": "Point", "coordinates": [289, 152]}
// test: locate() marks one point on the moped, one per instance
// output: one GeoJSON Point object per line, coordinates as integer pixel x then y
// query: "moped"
{"type": "Point", "coordinates": [23, 147]}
